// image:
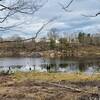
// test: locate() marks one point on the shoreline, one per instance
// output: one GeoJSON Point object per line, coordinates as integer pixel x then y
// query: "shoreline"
{"type": "Point", "coordinates": [49, 86]}
{"type": "Point", "coordinates": [46, 76]}
{"type": "Point", "coordinates": [68, 58]}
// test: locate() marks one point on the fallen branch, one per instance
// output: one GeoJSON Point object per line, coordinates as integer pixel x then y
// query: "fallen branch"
{"type": "Point", "coordinates": [65, 87]}
{"type": "Point", "coordinates": [69, 88]}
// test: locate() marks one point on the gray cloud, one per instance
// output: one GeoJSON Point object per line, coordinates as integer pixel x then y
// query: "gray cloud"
{"type": "Point", "coordinates": [69, 22]}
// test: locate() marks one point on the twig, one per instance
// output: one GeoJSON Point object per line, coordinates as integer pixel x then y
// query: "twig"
{"type": "Point", "coordinates": [97, 14]}
{"type": "Point", "coordinates": [65, 8]}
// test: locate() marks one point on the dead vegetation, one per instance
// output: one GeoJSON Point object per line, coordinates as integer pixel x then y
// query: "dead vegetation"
{"type": "Point", "coordinates": [34, 88]}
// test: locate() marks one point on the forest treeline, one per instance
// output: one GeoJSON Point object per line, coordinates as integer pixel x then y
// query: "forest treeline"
{"type": "Point", "coordinates": [52, 41]}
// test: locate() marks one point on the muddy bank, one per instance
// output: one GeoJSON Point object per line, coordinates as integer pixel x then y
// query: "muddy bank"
{"type": "Point", "coordinates": [47, 90]}
{"type": "Point", "coordinates": [88, 51]}
{"type": "Point", "coordinates": [51, 54]}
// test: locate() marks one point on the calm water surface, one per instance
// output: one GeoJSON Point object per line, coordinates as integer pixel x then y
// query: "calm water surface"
{"type": "Point", "coordinates": [52, 65]}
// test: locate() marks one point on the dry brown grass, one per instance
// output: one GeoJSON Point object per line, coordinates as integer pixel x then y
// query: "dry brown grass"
{"type": "Point", "coordinates": [55, 76]}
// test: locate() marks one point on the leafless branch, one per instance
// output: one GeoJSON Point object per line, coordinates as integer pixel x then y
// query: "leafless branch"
{"type": "Point", "coordinates": [65, 7]}
{"type": "Point", "coordinates": [28, 7]}
{"type": "Point", "coordinates": [5, 28]}
{"type": "Point", "coordinates": [97, 14]}
{"type": "Point", "coordinates": [36, 34]}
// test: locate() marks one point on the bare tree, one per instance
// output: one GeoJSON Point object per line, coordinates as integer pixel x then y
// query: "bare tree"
{"type": "Point", "coordinates": [53, 34]}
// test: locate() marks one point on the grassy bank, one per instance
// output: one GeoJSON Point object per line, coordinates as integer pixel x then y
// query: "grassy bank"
{"type": "Point", "coordinates": [55, 76]}
{"type": "Point", "coordinates": [49, 86]}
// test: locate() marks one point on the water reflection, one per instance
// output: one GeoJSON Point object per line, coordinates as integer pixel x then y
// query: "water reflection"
{"type": "Point", "coordinates": [82, 67]}
{"type": "Point", "coordinates": [49, 65]}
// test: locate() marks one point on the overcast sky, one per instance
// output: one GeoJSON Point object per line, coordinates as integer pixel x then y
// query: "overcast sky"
{"type": "Point", "coordinates": [66, 22]}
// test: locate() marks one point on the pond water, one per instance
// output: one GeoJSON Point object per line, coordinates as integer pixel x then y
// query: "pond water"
{"type": "Point", "coordinates": [51, 65]}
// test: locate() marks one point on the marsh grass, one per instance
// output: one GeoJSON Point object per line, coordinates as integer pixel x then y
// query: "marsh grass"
{"type": "Point", "coordinates": [19, 76]}
{"type": "Point", "coordinates": [41, 85]}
